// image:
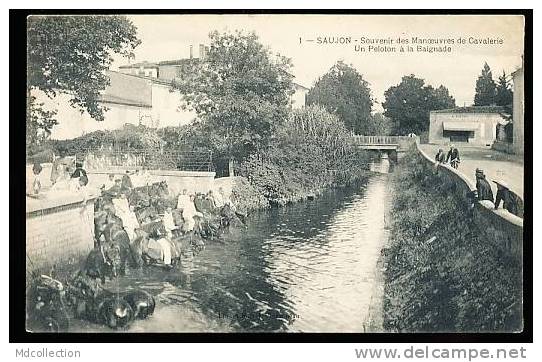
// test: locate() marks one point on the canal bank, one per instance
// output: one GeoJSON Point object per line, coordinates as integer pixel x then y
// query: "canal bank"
{"type": "Point", "coordinates": [442, 270]}
{"type": "Point", "coordinates": [305, 267]}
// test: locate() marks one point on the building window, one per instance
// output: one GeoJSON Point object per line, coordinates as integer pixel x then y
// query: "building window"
{"type": "Point", "coordinates": [458, 136]}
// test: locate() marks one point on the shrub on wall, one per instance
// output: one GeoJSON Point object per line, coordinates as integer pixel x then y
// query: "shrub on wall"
{"type": "Point", "coordinates": [130, 137]}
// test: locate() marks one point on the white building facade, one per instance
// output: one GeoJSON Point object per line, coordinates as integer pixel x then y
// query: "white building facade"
{"type": "Point", "coordinates": [129, 99]}
{"type": "Point", "coordinates": [299, 97]}
{"type": "Point", "coordinates": [473, 125]}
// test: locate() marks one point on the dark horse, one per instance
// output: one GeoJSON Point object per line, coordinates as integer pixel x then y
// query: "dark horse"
{"type": "Point", "coordinates": [109, 232]}
{"type": "Point", "coordinates": [115, 309]}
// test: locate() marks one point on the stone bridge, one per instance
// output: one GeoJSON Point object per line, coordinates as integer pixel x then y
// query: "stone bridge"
{"type": "Point", "coordinates": [385, 144]}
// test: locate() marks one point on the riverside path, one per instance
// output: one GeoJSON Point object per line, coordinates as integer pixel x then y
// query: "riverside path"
{"type": "Point", "coordinates": [496, 165]}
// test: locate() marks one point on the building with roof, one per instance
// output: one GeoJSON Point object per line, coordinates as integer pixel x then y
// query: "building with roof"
{"type": "Point", "coordinates": [129, 99]}
{"type": "Point", "coordinates": [143, 69]}
{"type": "Point", "coordinates": [139, 93]}
{"type": "Point", "coordinates": [170, 70]}
{"type": "Point", "coordinates": [473, 125]}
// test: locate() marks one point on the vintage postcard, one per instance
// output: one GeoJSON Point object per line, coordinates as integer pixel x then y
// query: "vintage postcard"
{"type": "Point", "coordinates": [275, 173]}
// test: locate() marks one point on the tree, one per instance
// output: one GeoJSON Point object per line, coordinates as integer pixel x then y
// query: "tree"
{"type": "Point", "coordinates": [69, 54]}
{"type": "Point", "coordinates": [441, 98]}
{"type": "Point", "coordinates": [408, 104]}
{"type": "Point", "coordinates": [504, 94]}
{"type": "Point", "coordinates": [314, 124]}
{"type": "Point", "coordinates": [312, 150]}
{"type": "Point", "coordinates": [38, 125]}
{"type": "Point", "coordinates": [241, 93]}
{"type": "Point", "coordinates": [344, 92]}
{"type": "Point", "coordinates": [485, 88]}
{"type": "Point", "coordinates": [379, 125]}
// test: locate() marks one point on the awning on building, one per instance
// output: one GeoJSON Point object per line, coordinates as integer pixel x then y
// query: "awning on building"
{"type": "Point", "coordinates": [460, 126]}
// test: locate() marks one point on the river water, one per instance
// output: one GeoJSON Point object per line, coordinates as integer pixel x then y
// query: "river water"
{"type": "Point", "coordinates": [308, 267]}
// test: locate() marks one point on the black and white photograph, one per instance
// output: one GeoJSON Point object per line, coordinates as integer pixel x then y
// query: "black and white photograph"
{"type": "Point", "coordinates": [275, 173]}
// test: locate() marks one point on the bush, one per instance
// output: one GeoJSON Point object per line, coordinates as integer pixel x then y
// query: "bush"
{"type": "Point", "coordinates": [311, 152]}
{"type": "Point", "coordinates": [130, 138]}
{"type": "Point", "coordinates": [246, 197]}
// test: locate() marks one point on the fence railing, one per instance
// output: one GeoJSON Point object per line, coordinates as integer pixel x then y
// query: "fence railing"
{"type": "Point", "coordinates": [378, 140]}
{"type": "Point", "coordinates": [99, 159]}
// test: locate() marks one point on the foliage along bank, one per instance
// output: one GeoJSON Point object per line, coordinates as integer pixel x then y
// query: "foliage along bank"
{"type": "Point", "coordinates": [441, 273]}
{"type": "Point", "coordinates": [310, 153]}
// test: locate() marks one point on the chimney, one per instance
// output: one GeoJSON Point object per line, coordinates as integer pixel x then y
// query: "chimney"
{"type": "Point", "coordinates": [201, 51]}
{"type": "Point", "coordinates": [191, 52]}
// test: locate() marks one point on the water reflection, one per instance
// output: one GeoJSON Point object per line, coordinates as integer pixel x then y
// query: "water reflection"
{"type": "Point", "coordinates": [330, 269]}
{"type": "Point", "coordinates": [306, 267]}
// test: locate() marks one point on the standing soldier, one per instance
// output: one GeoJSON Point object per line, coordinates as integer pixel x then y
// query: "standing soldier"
{"type": "Point", "coordinates": [453, 156]}
{"type": "Point", "coordinates": [79, 171]}
{"type": "Point", "coordinates": [511, 202]}
{"type": "Point", "coordinates": [440, 157]}
{"type": "Point", "coordinates": [483, 188]}
{"type": "Point", "coordinates": [36, 182]}
{"type": "Point", "coordinates": [126, 185]}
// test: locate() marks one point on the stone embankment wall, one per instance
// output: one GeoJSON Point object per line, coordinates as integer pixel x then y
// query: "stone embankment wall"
{"type": "Point", "coordinates": [59, 231]}
{"type": "Point", "coordinates": [504, 228]}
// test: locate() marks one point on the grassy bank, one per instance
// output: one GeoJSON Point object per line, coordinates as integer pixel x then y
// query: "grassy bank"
{"type": "Point", "coordinates": [267, 189]}
{"type": "Point", "coordinates": [250, 195]}
{"type": "Point", "coordinates": [442, 274]}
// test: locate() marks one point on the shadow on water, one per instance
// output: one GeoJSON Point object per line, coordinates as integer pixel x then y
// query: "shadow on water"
{"type": "Point", "coordinates": [305, 267]}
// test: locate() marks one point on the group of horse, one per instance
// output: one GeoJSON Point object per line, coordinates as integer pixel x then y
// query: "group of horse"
{"type": "Point", "coordinates": [149, 203]}
{"type": "Point", "coordinates": [112, 242]}
{"type": "Point", "coordinates": [84, 295]}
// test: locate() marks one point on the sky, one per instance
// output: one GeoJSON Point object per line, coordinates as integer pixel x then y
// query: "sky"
{"type": "Point", "coordinates": [167, 37]}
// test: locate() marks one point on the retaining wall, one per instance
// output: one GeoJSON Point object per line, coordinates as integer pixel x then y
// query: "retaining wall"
{"type": "Point", "coordinates": [504, 228]}
{"type": "Point", "coordinates": [59, 230]}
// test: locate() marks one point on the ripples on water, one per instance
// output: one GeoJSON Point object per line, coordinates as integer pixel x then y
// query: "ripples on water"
{"type": "Point", "coordinates": [307, 267]}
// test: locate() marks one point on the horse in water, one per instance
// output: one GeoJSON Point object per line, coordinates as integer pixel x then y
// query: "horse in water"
{"type": "Point", "coordinates": [150, 201]}
{"type": "Point", "coordinates": [92, 302]}
{"type": "Point", "coordinates": [103, 261]}
{"type": "Point", "coordinates": [146, 249]}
